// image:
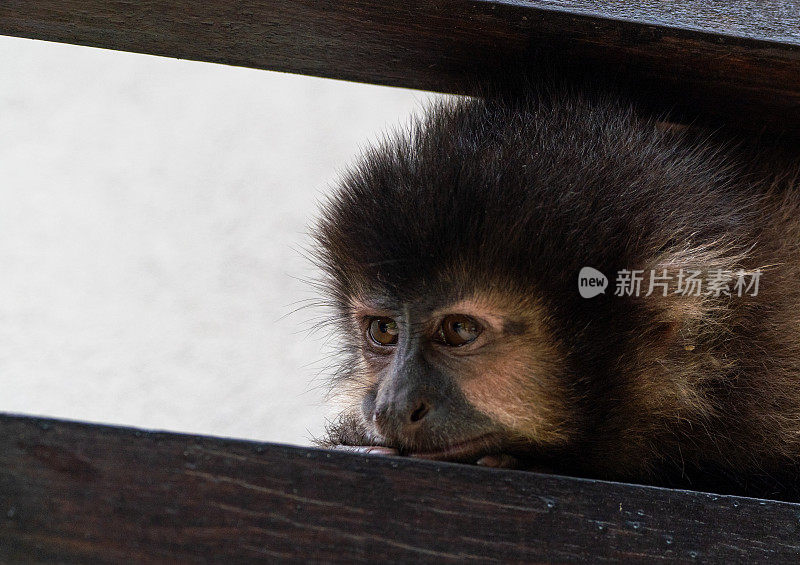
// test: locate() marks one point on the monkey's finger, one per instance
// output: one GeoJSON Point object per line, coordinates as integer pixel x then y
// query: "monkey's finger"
{"type": "Point", "coordinates": [367, 449]}
{"type": "Point", "coordinates": [499, 460]}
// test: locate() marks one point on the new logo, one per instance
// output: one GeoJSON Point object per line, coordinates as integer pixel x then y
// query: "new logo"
{"type": "Point", "coordinates": [591, 282]}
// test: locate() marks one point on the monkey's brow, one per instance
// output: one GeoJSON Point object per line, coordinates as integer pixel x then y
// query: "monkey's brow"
{"type": "Point", "coordinates": [377, 302]}
{"type": "Point", "coordinates": [418, 306]}
{"type": "Point", "coordinates": [423, 309]}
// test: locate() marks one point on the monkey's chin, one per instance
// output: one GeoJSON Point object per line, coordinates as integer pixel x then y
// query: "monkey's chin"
{"type": "Point", "coordinates": [465, 451]}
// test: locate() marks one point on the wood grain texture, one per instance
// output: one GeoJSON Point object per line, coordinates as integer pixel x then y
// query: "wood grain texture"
{"type": "Point", "coordinates": [772, 20]}
{"type": "Point", "coordinates": [720, 63]}
{"type": "Point", "coordinates": [84, 493]}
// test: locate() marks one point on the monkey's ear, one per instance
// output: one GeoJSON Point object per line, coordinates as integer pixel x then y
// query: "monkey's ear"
{"type": "Point", "coordinates": [681, 298]}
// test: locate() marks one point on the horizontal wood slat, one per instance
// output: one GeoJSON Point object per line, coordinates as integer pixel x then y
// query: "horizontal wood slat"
{"type": "Point", "coordinates": [85, 493]}
{"type": "Point", "coordinates": [735, 63]}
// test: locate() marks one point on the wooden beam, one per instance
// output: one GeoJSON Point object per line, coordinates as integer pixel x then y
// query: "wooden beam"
{"type": "Point", "coordinates": [84, 493]}
{"type": "Point", "coordinates": [734, 63]}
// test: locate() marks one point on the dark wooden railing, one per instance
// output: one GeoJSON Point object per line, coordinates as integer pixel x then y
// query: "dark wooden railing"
{"type": "Point", "coordinates": [734, 62]}
{"type": "Point", "coordinates": [84, 493]}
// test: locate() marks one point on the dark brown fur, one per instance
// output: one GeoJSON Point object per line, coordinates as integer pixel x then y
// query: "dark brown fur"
{"type": "Point", "coordinates": [494, 205]}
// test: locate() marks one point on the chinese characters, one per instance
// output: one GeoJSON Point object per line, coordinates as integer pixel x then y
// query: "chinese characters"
{"type": "Point", "coordinates": [688, 282]}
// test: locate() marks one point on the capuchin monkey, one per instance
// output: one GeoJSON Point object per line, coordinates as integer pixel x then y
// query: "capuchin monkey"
{"type": "Point", "coordinates": [552, 279]}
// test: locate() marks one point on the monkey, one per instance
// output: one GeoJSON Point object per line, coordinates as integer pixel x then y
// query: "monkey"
{"type": "Point", "coordinates": [452, 256]}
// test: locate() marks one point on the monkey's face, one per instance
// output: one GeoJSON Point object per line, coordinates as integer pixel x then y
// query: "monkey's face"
{"type": "Point", "coordinates": [457, 381]}
{"type": "Point", "coordinates": [440, 264]}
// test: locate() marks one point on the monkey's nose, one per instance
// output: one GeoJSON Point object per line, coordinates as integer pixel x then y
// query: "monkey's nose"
{"type": "Point", "coordinates": [419, 412]}
{"type": "Point", "coordinates": [401, 420]}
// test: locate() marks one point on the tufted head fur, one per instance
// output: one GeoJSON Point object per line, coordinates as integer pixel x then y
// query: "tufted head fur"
{"type": "Point", "coordinates": [489, 208]}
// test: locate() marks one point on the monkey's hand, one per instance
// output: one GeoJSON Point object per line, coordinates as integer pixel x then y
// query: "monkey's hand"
{"type": "Point", "coordinates": [500, 461]}
{"type": "Point", "coordinates": [347, 433]}
{"type": "Point", "coordinates": [522, 463]}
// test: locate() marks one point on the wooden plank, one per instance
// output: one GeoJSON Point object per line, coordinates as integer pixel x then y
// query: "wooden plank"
{"type": "Point", "coordinates": [735, 63]}
{"type": "Point", "coordinates": [84, 493]}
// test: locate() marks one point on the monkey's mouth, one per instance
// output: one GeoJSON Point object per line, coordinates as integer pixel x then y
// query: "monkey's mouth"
{"type": "Point", "coordinates": [466, 451]}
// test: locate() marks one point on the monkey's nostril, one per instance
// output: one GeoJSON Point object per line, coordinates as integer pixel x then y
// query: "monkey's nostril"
{"type": "Point", "coordinates": [419, 412]}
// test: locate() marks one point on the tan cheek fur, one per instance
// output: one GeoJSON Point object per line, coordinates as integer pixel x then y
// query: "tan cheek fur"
{"type": "Point", "coordinates": [517, 386]}
{"type": "Point", "coordinates": [515, 379]}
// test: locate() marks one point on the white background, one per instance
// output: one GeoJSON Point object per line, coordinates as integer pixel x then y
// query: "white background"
{"type": "Point", "coordinates": [153, 214]}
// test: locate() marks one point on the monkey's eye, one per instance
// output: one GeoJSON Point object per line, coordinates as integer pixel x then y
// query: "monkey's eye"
{"type": "Point", "coordinates": [457, 330]}
{"type": "Point", "coordinates": [383, 331]}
